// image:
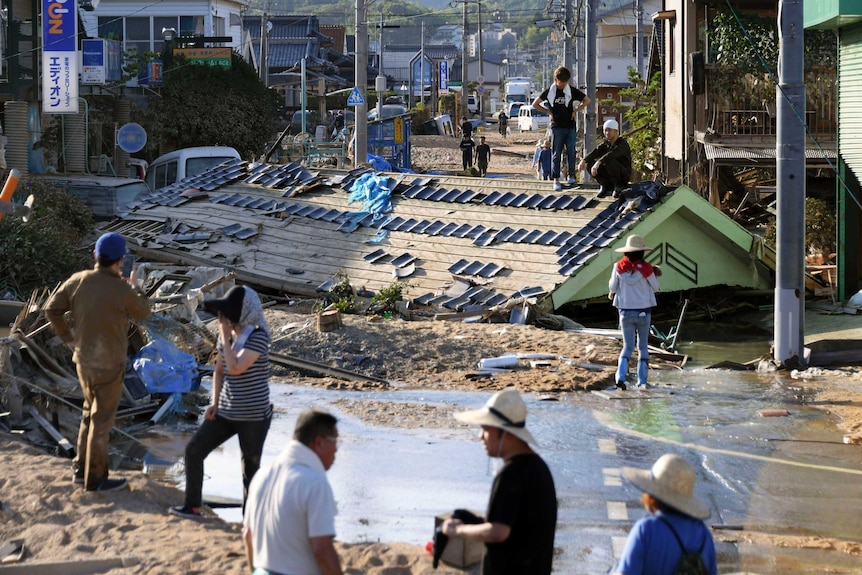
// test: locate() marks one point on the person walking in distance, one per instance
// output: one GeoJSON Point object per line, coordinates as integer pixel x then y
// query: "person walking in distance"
{"type": "Point", "coordinates": [466, 127]}
{"type": "Point", "coordinates": [503, 121]}
{"type": "Point", "coordinates": [289, 524]}
{"type": "Point", "coordinates": [467, 147]}
{"type": "Point", "coordinates": [101, 304]}
{"type": "Point", "coordinates": [672, 538]}
{"type": "Point", "coordinates": [632, 288]}
{"type": "Point", "coordinates": [240, 394]}
{"type": "Point", "coordinates": [562, 102]}
{"type": "Point", "coordinates": [519, 526]}
{"type": "Point", "coordinates": [483, 156]}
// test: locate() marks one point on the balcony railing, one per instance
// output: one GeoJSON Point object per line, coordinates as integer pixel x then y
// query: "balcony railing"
{"type": "Point", "coordinates": [743, 105]}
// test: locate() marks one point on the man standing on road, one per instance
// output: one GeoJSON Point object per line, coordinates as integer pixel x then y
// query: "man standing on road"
{"type": "Point", "coordinates": [503, 119]}
{"type": "Point", "coordinates": [466, 127]}
{"type": "Point", "coordinates": [561, 98]}
{"type": "Point", "coordinates": [483, 156]}
{"type": "Point", "coordinates": [467, 146]}
{"type": "Point", "coordinates": [100, 304]}
{"type": "Point", "coordinates": [289, 522]}
{"type": "Point", "coordinates": [519, 527]}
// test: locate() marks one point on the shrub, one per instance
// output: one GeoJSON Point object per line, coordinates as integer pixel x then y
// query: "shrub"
{"type": "Point", "coordinates": [47, 249]}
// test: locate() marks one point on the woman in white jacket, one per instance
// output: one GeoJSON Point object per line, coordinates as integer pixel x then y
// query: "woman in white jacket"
{"type": "Point", "coordinates": [632, 288]}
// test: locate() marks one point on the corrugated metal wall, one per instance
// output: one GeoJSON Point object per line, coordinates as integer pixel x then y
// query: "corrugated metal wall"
{"type": "Point", "coordinates": [849, 102]}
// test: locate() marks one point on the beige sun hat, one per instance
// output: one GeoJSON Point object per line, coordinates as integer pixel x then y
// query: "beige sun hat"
{"type": "Point", "coordinates": [634, 243]}
{"type": "Point", "coordinates": [505, 410]}
{"type": "Point", "coordinates": [671, 481]}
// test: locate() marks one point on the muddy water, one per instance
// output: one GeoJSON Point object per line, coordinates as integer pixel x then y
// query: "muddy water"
{"type": "Point", "coordinates": [765, 475]}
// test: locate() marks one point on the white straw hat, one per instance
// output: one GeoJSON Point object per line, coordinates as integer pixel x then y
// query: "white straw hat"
{"type": "Point", "coordinates": [671, 481]}
{"type": "Point", "coordinates": [505, 410]}
{"type": "Point", "coordinates": [634, 243]}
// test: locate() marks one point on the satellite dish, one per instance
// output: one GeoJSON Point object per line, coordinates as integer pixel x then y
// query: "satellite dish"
{"type": "Point", "coordinates": [268, 26]}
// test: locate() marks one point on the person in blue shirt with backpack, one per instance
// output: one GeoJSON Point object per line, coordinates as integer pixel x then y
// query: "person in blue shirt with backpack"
{"type": "Point", "coordinates": [672, 539]}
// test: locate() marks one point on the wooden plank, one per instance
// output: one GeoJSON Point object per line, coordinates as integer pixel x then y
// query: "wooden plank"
{"type": "Point", "coordinates": [64, 443]}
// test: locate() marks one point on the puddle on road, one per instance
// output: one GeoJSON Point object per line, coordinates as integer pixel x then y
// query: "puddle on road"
{"type": "Point", "coordinates": [771, 475]}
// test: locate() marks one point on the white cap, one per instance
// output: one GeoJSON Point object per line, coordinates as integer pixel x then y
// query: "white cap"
{"type": "Point", "coordinates": [612, 124]}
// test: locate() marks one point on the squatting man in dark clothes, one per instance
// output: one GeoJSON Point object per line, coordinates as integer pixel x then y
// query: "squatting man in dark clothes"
{"type": "Point", "coordinates": [518, 529]}
{"type": "Point", "coordinates": [611, 162]}
{"type": "Point", "coordinates": [100, 304]}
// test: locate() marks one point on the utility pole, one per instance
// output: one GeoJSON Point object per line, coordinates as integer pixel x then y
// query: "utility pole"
{"type": "Point", "coordinates": [590, 67]}
{"type": "Point", "coordinates": [263, 44]}
{"type": "Point", "coordinates": [569, 29]}
{"type": "Point", "coordinates": [360, 150]}
{"type": "Point", "coordinates": [790, 172]}
{"type": "Point", "coordinates": [380, 80]}
{"type": "Point", "coordinates": [464, 62]}
{"type": "Point", "coordinates": [484, 92]}
{"type": "Point", "coordinates": [639, 45]}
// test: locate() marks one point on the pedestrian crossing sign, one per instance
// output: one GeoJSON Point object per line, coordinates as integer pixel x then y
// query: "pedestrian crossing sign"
{"type": "Point", "coordinates": [355, 98]}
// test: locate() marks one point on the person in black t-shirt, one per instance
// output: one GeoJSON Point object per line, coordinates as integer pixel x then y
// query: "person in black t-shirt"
{"type": "Point", "coordinates": [483, 156]}
{"type": "Point", "coordinates": [562, 102]}
{"type": "Point", "coordinates": [519, 527]}
{"type": "Point", "coordinates": [466, 127]}
{"type": "Point", "coordinates": [467, 147]}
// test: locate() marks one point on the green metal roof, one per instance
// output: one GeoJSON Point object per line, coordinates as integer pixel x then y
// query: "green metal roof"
{"type": "Point", "coordinates": [831, 14]}
{"type": "Point", "coordinates": [696, 244]}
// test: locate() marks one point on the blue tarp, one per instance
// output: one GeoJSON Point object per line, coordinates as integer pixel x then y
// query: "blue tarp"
{"type": "Point", "coordinates": [164, 368]}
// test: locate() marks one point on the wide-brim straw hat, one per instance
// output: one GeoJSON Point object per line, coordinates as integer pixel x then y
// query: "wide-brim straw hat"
{"type": "Point", "coordinates": [671, 481]}
{"type": "Point", "coordinates": [634, 243]}
{"type": "Point", "coordinates": [505, 410]}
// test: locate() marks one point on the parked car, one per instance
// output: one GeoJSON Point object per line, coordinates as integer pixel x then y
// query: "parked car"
{"type": "Point", "coordinates": [512, 109]}
{"type": "Point", "coordinates": [532, 120]}
{"type": "Point", "coordinates": [312, 119]}
{"type": "Point", "coordinates": [179, 164]}
{"type": "Point", "coordinates": [387, 111]}
{"type": "Point", "coordinates": [106, 196]}
{"type": "Point", "coordinates": [474, 104]}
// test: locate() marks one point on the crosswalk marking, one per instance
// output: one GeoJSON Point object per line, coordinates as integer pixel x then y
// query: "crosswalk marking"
{"type": "Point", "coordinates": [619, 545]}
{"type": "Point", "coordinates": [608, 446]}
{"type": "Point", "coordinates": [612, 477]}
{"type": "Point", "coordinates": [617, 511]}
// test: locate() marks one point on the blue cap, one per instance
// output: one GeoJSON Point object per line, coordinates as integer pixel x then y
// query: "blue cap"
{"type": "Point", "coordinates": [111, 246]}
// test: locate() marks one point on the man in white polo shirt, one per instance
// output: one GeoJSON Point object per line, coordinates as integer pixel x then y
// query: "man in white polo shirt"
{"type": "Point", "coordinates": [289, 522]}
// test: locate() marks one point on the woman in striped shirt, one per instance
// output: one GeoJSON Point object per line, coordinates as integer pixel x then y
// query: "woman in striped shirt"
{"type": "Point", "coordinates": [240, 395]}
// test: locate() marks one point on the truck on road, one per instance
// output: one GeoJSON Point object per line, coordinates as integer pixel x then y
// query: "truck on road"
{"type": "Point", "coordinates": [518, 90]}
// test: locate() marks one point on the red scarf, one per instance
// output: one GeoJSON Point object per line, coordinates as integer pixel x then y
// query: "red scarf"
{"type": "Point", "coordinates": [627, 265]}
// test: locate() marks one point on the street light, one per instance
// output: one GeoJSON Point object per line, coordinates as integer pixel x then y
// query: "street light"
{"type": "Point", "coordinates": [403, 90]}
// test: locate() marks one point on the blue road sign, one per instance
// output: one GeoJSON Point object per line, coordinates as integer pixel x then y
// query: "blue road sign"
{"type": "Point", "coordinates": [131, 138]}
{"type": "Point", "coordinates": [355, 98]}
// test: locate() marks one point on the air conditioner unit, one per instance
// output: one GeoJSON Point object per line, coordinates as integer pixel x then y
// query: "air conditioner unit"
{"type": "Point", "coordinates": [604, 110]}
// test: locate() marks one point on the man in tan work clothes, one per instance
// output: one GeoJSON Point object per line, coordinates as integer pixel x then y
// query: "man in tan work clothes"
{"type": "Point", "coordinates": [100, 303]}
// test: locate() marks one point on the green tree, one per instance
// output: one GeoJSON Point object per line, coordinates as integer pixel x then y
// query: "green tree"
{"type": "Point", "coordinates": [47, 249]}
{"type": "Point", "coordinates": [643, 126]}
{"type": "Point", "coordinates": [210, 105]}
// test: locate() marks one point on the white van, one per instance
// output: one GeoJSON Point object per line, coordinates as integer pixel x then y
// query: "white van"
{"type": "Point", "coordinates": [174, 166]}
{"type": "Point", "coordinates": [531, 119]}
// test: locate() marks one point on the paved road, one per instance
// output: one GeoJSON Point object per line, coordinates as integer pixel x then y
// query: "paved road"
{"type": "Point", "coordinates": [790, 477]}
